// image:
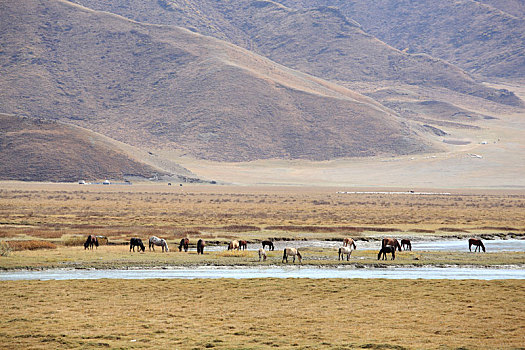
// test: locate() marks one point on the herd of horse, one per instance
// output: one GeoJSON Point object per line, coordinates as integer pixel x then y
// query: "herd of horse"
{"type": "Point", "coordinates": [388, 246]}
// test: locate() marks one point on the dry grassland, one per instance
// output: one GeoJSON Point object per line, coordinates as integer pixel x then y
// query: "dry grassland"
{"type": "Point", "coordinates": [57, 212]}
{"type": "Point", "coordinates": [263, 313]}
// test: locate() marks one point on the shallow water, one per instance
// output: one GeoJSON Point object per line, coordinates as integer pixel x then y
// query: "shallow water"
{"type": "Point", "coordinates": [497, 245]}
{"type": "Point", "coordinates": [274, 272]}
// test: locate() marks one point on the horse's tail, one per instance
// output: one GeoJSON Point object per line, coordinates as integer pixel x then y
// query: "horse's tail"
{"type": "Point", "coordinates": [409, 246]}
{"type": "Point", "coordinates": [379, 254]}
{"type": "Point", "coordinates": [300, 256]}
{"type": "Point", "coordinates": [398, 246]}
{"type": "Point", "coordinates": [482, 246]}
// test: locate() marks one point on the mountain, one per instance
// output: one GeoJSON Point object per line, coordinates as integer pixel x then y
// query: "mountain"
{"type": "Point", "coordinates": [165, 87]}
{"type": "Point", "coordinates": [485, 37]}
{"type": "Point", "coordinates": [33, 149]}
{"type": "Point", "coordinates": [322, 41]}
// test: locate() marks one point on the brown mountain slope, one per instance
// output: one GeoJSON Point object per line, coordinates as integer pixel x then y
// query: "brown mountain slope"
{"type": "Point", "coordinates": [41, 150]}
{"type": "Point", "coordinates": [471, 34]}
{"type": "Point", "coordinates": [166, 87]}
{"type": "Point", "coordinates": [320, 41]}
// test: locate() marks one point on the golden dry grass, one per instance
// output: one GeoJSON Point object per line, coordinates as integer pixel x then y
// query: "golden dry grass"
{"type": "Point", "coordinates": [263, 313]}
{"type": "Point", "coordinates": [221, 212]}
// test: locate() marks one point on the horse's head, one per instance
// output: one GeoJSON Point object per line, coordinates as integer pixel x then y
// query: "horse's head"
{"type": "Point", "coordinates": [299, 256]}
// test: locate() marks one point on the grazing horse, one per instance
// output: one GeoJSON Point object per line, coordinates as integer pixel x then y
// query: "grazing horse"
{"type": "Point", "coordinates": [405, 243]}
{"type": "Point", "coordinates": [184, 243]}
{"type": "Point", "coordinates": [392, 242]}
{"type": "Point", "coordinates": [478, 243]}
{"type": "Point", "coordinates": [200, 246]}
{"type": "Point", "coordinates": [136, 242]}
{"type": "Point", "coordinates": [387, 249]}
{"type": "Point", "coordinates": [345, 251]}
{"type": "Point", "coordinates": [234, 245]}
{"type": "Point", "coordinates": [262, 254]}
{"type": "Point", "coordinates": [153, 241]}
{"type": "Point", "coordinates": [347, 242]}
{"type": "Point", "coordinates": [90, 242]}
{"type": "Point", "coordinates": [291, 252]}
{"type": "Point", "coordinates": [243, 245]}
{"type": "Point", "coordinates": [269, 244]}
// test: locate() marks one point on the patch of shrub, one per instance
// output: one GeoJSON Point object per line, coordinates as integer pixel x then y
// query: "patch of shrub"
{"type": "Point", "coordinates": [5, 249]}
{"type": "Point", "coordinates": [30, 245]}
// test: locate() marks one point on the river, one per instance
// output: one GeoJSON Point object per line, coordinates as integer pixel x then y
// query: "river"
{"type": "Point", "coordinates": [207, 272]}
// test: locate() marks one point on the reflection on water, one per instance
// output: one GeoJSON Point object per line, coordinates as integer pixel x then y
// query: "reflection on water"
{"type": "Point", "coordinates": [274, 272]}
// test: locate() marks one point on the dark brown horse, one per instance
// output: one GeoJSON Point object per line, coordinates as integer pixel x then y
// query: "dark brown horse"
{"type": "Point", "coordinates": [243, 245]}
{"type": "Point", "coordinates": [90, 242]}
{"type": "Point", "coordinates": [476, 242]}
{"type": "Point", "coordinates": [269, 244]}
{"type": "Point", "coordinates": [405, 243]}
{"type": "Point", "coordinates": [387, 249]}
{"type": "Point", "coordinates": [200, 246]}
{"type": "Point", "coordinates": [136, 242]}
{"type": "Point", "coordinates": [184, 243]}
{"type": "Point", "coordinates": [391, 242]}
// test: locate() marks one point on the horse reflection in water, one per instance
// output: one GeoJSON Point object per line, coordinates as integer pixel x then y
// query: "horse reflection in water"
{"type": "Point", "coordinates": [476, 242]}
{"type": "Point", "coordinates": [291, 252]}
{"type": "Point", "coordinates": [153, 241]}
{"type": "Point", "coordinates": [387, 249]}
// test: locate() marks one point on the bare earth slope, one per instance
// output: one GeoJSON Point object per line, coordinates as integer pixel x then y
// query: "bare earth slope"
{"type": "Point", "coordinates": [166, 87]}
{"type": "Point", "coordinates": [475, 35]}
{"type": "Point", "coordinates": [321, 41]}
{"type": "Point", "coordinates": [36, 150]}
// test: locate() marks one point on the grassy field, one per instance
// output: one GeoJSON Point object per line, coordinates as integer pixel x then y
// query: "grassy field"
{"type": "Point", "coordinates": [263, 313]}
{"type": "Point", "coordinates": [219, 213]}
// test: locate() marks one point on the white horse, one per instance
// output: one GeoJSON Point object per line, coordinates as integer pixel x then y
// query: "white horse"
{"type": "Point", "coordinates": [153, 241]}
{"type": "Point", "coordinates": [345, 251]}
{"type": "Point", "coordinates": [234, 245]}
{"type": "Point", "coordinates": [262, 254]}
{"type": "Point", "coordinates": [291, 252]}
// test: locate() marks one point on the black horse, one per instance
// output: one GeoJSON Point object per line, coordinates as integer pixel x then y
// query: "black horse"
{"type": "Point", "coordinates": [184, 243]}
{"type": "Point", "coordinates": [90, 242]}
{"type": "Point", "coordinates": [269, 244]}
{"type": "Point", "coordinates": [200, 246]}
{"type": "Point", "coordinates": [136, 242]}
{"type": "Point", "coordinates": [387, 249]}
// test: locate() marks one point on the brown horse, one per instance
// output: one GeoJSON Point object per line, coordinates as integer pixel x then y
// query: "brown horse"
{"type": "Point", "coordinates": [387, 249]}
{"type": "Point", "coordinates": [184, 243]}
{"type": "Point", "coordinates": [243, 245]}
{"type": "Point", "coordinates": [90, 242]}
{"type": "Point", "coordinates": [391, 242]}
{"type": "Point", "coordinates": [200, 246]}
{"type": "Point", "coordinates": [347, 242]}
{"type": "Point", "coordinates": [476, 242]}
{"type": "Point", "coordinates": [405, 243]}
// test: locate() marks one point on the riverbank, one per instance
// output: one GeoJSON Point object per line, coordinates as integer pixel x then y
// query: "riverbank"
{"type": "Point", "coordinates": [119, 257]}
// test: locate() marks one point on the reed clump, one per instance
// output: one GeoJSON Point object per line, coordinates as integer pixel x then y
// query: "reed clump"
{"type": "Point", "coordinates": [30, 245]}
